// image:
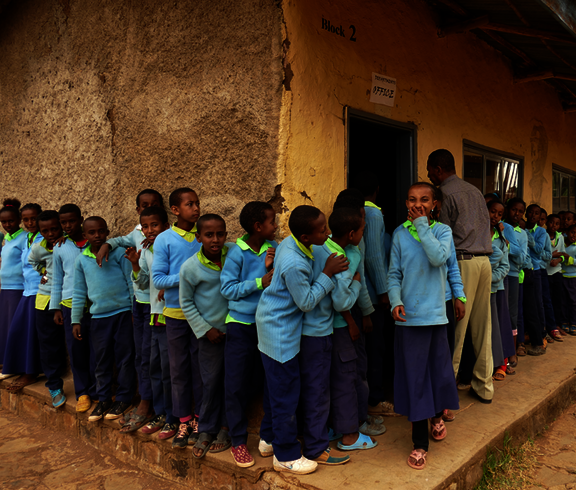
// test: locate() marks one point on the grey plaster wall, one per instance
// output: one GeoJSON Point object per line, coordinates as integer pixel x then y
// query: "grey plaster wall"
{"type": "Point", "coordinates": [102, 98]}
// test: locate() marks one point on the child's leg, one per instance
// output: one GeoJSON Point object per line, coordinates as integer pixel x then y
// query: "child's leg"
{"type": "Point", "coordinates": [162, 340]}
{"type": "Point", "coordinates": [240, 354]}
{"type": "Point", "coordinates": [556, 295]}
{"type": "Point", "coordinates": [315, 360]}
{"type": "Point", "coordinates": [521, 332]}
{"type": "Point", "coordinates": [52, 348]}
{"type": "Point", "coordinates": [362, 389]}
{"type": "Point", "coordinates": [531, 315]}
{"type": "Point", "coordinates": [374, 351]}
{"type": "Point", "coordinates": [420, 434]}
{"type": "Point", "coordinates": [283, 381]}
{"type": "Point", "coordinates": [570, 286]}
{"type": "Point", "coordinates": [551, 324]}
{"type": "Point", "coordinates": [178, 335]}
{"type": "Point", "coordinates": [508, 348]}
{"type": "Point", "coordinates": [451, 326]}
{"type": "Point", "coordinates": [9, 299]}
{"type": "Point", "coordinates": [124, 355]}
{"type": "Point", "coordinates": [212, 412]}
{"type": "Point", "coordinates": [497, 354]}
{"type": "Point", "coordinates": [539, 300]}
{"type": "Point", "coordinates": [141, 323]}
{"type": "Point", "coordinates": [156, 374]}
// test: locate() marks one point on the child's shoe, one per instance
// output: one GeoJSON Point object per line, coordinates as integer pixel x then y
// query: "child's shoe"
{"type": "Point", "coordinates": [372, 429]}
{"type": "Point", "coordinates": [83, 404]}
{"type": "Point", "coordinates": [572, 330]}
{"type": "Point", "coordinates": [154, 425]}
{"type": "Point", "coordinates": [99, 411]}
{"type": "Point", "coordinates": [241, 456]}
{"type": "Point", "coordinates": [331, 460]}
{"type": "Point", "coordinates": [300, 466]}
{"type": "Point", "coordinates": [372, 419]}
{"type": "Point", "coordinates": [536, 351]}
{"type": "Point", "coordinates": [556, 335]}
{"type": "Point", "coordinates": [333, 436]}
{"type": "Point", "coordinates": [181, 439]}
{"type": "Point", "coordinates": [58, 398]}
{"type": "Point", "coordinates": [266, 450]}
{"type": "Point", "coordinates": [117, 410]}
{"type": "Point", "coordinates": [385, 409]}
{"type": "Point", "coordinates": [168, 431]}
{"type": "Point", "coordinates": [193, 439]}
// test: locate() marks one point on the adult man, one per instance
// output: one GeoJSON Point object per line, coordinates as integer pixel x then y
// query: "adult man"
{"type": "Point", "coordinates": [464, 210]}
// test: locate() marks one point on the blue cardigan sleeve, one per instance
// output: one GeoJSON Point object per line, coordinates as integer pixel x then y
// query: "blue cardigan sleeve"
{"type": "Point", "coordinates": [127, 270]}
{"type": "Point", "coordinates": [34, 260]}
{"type": "Point", "coordinates": [306, 295]}
{"type": "Point", "coordinates": [57, 282]}
{"type": "Point", "coordinates": [546, 254]}
{"type": "Point", "coordinates": [346, 291]}
{"type": "Point", "coordinates": [395, 272]}
{"type": "Point", "coordinates": [80, 291]}
{"type": "Point", "coordinates": [142, 281]}
{"type": "Point", "coordinates": [375, 260]}
{"type": "Point", "coordinates": [453, 273]}
{"type": "Point", "coordinates": [188, 283]}
{"type": "Point", "coordinates": [232, 288]}
{"type": "Point", "coordinates": [161, 267]}
{"type": "Point", "coordinates": [364, 301]}
{"type": "Point", "coordinates": [437, 250]}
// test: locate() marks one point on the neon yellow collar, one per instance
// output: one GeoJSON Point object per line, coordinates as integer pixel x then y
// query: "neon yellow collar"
{"type": "Point", "coordinates": [241, 242]}
{"type": "Point", "coordinates": [306, 251]}
{"type": "Point", "coordinates": [334, 247]}
{"type": "Point", "coordinates": [44, 244]}
{"type": "Point", "coordinates": [412, 229]}
{"type": "Point", "coordinates": [496, 235]}
{"type": "Point", "coordinates": [189, 236]}
{"type": "Point", "coordinates": [88, 252]}
{"type": "Point", "coordinates": [208, 263]}
{"type": "Point", "coordinates": [371, 205]}
{"type": "Point", "coordinates": [14, 235]}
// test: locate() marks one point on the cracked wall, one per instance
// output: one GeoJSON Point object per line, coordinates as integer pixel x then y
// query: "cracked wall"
{"type": "Point", "coordinates": [100, 99]}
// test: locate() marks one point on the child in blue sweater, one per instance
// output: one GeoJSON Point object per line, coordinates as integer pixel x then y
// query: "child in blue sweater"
{"type": "Point", "coordinates": [245, 274]}
{"type": "Point", "coordinates": [554, 270]}
{"type": "Point", "coordinates": [109, 289]}
{"type": "Point", "coordinates": [292, 292]}
{"type": "Point", "coordinates": [171, 249]}
{"type": "Point", "coordinates": [569, 279]}
{"type": "Point", "coordinates": [80, 349]}
{"type": "Point", "coordinates": [424, 378]}
{"type": "Point", "coordinates": [50, 335]}
{"type": "Point", "coordinates": [206, 311]}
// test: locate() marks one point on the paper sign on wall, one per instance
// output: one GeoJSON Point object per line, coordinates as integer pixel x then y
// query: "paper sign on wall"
{"type": "Point", "coordinates": [383, 90]}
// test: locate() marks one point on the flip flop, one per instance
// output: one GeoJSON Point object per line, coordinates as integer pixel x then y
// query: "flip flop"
{"type": "Point", "coordinates": [363, 442]}
{"type": "Point", "coordinates": [135, 422]}
{"type": "Point", "coordinates": [204, 437]}
{"type": "Point", "coordinates": [510, 371]}
{"type": "Point", "coordinates": [417, 457]}
{"type": "Point", "coordinates": [438, 431]}
{"type": "Point", "coordinates": [222, 438]}
{"type": "Point", "coordinates": [499, 375]}
{"type": "Point", "coordinates": [18, 385]}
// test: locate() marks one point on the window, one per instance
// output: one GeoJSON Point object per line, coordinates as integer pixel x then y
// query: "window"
{"type": "Point", "coordinates": [563, 190]}
{"type": "Point", "coordinates": [492, 171]}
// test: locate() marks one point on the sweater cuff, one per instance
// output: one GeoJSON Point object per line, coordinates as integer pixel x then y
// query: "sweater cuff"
{"type": "Point", "coordinates": [259, 283]}
{"type": "Point", "coordinates": [462, 298]}
{"type": "Point", "coordinates": [367, 311]}
{"type": "Point", "coordinates": [325, 282]}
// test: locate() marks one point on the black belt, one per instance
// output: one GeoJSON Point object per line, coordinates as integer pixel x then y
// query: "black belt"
{"type": "Point", "coordinates": [465, 256]}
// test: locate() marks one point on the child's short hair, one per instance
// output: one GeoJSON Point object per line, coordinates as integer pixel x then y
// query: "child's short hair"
{"type": "Point", "coordinates": [561, 212]}
{"type": "Point", "coordinates": [254, 212]}
{"type": "Point", "coordinates": [70, 208]}
{"type": "Point", "coordinates": [301, 219]}
{"type": "Point", "coordinates": [492, 196]}
{"type": "Point", "coordinates": [515, 200]}
{"type": "Point", "coordinates": [532, 206]}
{"type": "Point", "coordinates": [552, 216]}
{"type": "Point", "coordinates": [96, 219]}
{"type": "Point", "coordinates": [570, 212]}
{"type": "Point", "coordinates": [150, 191]}
{"type": "Point", "coordinates": [491, 203]}
{"type": "Point", "coordinates": [367, 183]}
{"type": "Point", "coordinates": [155, 211]}
{"type": "Point", "coordinates": [11, 205]}
{"type": "Point", "coordinates": [349, 198]}
{"type": "Point", "coordinates": [176, 196]}
{"type": "Point", "coordinates": [206, 218]}
{"type": "Point", "coordinates": [571, 227]}
{"type": "Point", "coordinates": [48, 216]}
{"type": "Point", "coordinates": [433, 189]}
{"type": "Point", "coordinates": [543, 211]}
{"type": "Point", "coordinates": [31, 206]}
{"type": "Point", "coordinates": [344, 220]}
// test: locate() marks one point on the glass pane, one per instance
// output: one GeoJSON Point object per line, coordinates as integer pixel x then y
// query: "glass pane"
{"type": "Point", "coordinates": [555, 185]}
{"type": "Point", "coordinates": [510, 180]}
{"type": "Point", "coordinates": [473, 169]}
{"type": "Point", "coordinates": [572, 193]}
{"type": "Point", "coordinates": [492, 175]}
{"type": "Point", "coordinates": [556, 205]}
{"type": "Point", "coordinates": [564, 192]}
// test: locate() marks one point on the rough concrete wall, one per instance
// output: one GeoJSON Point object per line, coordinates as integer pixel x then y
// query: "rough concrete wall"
{"type": "Point", "coordinates": [100, 99]}
{"type": "Point", "coordinates": [452, 89]}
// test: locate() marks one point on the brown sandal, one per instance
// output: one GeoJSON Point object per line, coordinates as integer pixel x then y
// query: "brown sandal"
{"type": "Point", "coordinates": [521, 350]}
{"type": "Point", "coordinates": [18, 385]}
{"type": "Point", "coordinates": [419, 459]}
{"type": "Point", "coordinates": [499, 375]}
{"type": "Point", "coordinates": [510, 371]}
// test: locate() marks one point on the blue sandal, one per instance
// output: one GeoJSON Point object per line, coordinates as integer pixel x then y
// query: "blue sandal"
{"type": "Point", "coordinates": [363, 442]}
{"type": "Point", "coordinates": [572, 330]}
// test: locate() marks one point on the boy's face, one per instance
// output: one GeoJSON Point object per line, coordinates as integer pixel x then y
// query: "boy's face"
{"type": "Point", "coordinates": [356, 235]}
{"type": "Point", "coordinates": [421, 198]}
{"type": "Point", "coordinates": [542, 221]}
{"type": "Point", "coordinates": [319, 233]}
{"type": "Point", "coordinates": [553, 225]}
{"type": "Point", "coordinates": [10, 221]}
{"type": "Point", "coordinates": [152, 226]}
{"type": "Point", "coordinates": [515, 213]}
{"type": "Point", "coordinates": [29, 220]}
{"type": "Point", "coordinates": [147, 200]}
{"type": "Point", "coordinates": [268, 228]}
{"type": "Point", "coordinates": [496, 212]}
{"type": "Point", "coordinates": [533, 215]}
{"type": "Point", "coordinates": [189, 207]}
{"type": "Point", "coordinates": [96, 232]}
{"type": "Point", "coordinates": [567, 220]}
{"type": "Point", "coordinates": [212, 237]}
{"type": "Point", "coordinates": [572, 236]}
{"type": "Point", "coordinates": [50, 230]}
{"type": "Point", "coordinates": [71, 224]}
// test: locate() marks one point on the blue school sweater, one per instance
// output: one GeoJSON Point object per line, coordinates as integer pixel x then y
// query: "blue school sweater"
{"type": "Point", "coordinates": [41, 260]}
{"type": "Point", "coordinates": [518, 241]}
{"type": "Point", "coordinates": [499, 263]}
{"type": "Point", "coordinates": [546, 255]}
{"type": "Point", "coordinates": [31, 276]}
{"type": "Point", "coordinates": [454, 285]}
{"type": "Point", "coordinates": [569, 267]}
{"type": "Point", "coordinates": [241, 279]}
{"type": "Point", "coordinates": [109, 287]}
{"type": "Point", "coordinates": [142, 281]}
{"type": "Point", "coordinates": [170, 251]}
{"type": "Point", "coordinates": [417, 275]}
{"type": "Point", "coordinates": [530, 243]}
{"type": "Point", "coordinates": [292, 292]}
{"type": "Point", "coordinates": [63, 259]}
{"type": "Point", "coordinates": [200, 297]}
{"type": "Point", "coordinates": [557, 246]}
{"type": "Point", "coordinates": [537, 246]}
{"type": "Point", "coordinates": [375, 256]}
{"type": "Point", "coordinates": [11, 269]}
{"type": "Point", "coordinates": [320, 321]}
{"type": "Point", "coordinates": [133, 239]}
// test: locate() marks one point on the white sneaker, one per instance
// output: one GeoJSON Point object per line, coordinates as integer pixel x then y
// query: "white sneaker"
{"type": "Point", "coordinates": [300, 466]}
{"type": "Point", "coordinates": [6, 376]}
{"type": "Point", "coordinates": [266, 450]}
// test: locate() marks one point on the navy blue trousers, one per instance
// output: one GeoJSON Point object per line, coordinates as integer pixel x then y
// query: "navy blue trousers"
{"type": "Point", "coordinates": [315, 361]}
{"type": "Point", "coordinates": [52, 342]}
{"type": "Point", "coordinates": [160, 374]}
{"type": "Point", "coordinates": [142, 339]}
{"type": "Point", "coordinates": [375, 344]}
{"type": "Point", "coordinates": [22, 353]}
{"type": "Point", "coordinates": [549, 317]}
{"type": "Point", "coordinates": [570, 299]}
{"type": "Point", "coordinates": [113, 341]}
{"type": "Point", "coordinates": [362, 388]}
{"type": "Point", "coordinates": [531, 310]}
{"type": "Point", "coordinates": [556, 282]}
{"type": "Point", "coordinates": [81, 354]}
{"type": "Point", "coordinates": [184, 369]}
{"type": "Point", "coordinates": [538, 295]}
{"type": "Point", "coordinates": [283, 382]}
{"type": "Point", "coordinates": [9, 300]}
{"type": "Point", "coordinates": [213, 410]}
{"type": "Point", "coordinates": [243, 375]}
{"type": "Point", "coordinates": [451, 326]}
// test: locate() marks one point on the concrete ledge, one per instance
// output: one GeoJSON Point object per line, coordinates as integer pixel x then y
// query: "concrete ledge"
{"type": "Point", "coordinates": [523, 405]}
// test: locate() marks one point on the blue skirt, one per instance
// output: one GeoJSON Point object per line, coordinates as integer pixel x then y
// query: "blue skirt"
{"type": "Point", "coordinates": [424, 383]}
{"type": "Point", "coordinates": [22, 354]}
{"type": "Point", "coordinates": [9, 299]}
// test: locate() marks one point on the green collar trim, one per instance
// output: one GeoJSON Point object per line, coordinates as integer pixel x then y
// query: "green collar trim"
{"type": "Point", "coordinates": [306, 251]}
{"type": "Point", "coordinates": [189, 236]}
{"type": "Point", "coordinates": [241, 242]}
{"type": "Point", "coordinates": [208, 263]}
{"type": "Point", "coordinates": [31, 238]}
{"type": "Point", "coordinates": [496, 235]}
{"type": "Point", "coordinates": [533, 229]}
{"type": "Point", "coordinates": [88, 252]}
{"type": "Point", "coordinates": [44, 244]}
{"type": "Point", "coordinates": [409, 225]}
{"type": "Point", "coordinates": [371, 205]}
{"type": "Point", "coordinates": [14, 235]}
{"type": "Point", "coordinates": [334, 247]}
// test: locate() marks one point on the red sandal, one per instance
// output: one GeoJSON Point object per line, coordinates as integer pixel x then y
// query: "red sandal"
{"type": "Point", "coordinates": [438, 431]}
{"type": "Point", "coordinates": [418, 457]}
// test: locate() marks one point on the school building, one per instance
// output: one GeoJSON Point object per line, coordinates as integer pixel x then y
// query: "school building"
{"type": "Point", "coordinates": [283, 101]}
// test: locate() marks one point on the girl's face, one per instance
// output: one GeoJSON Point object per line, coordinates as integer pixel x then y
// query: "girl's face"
{"type": "Point", "coordinates": [189, 208]}
{"type": "Point", "coordinates": [29, 220]}
{"type": "Point", "coordinates": [496, 212]}
{"type": "Point", "coordinates": [10, 221]}
{"type": "Point", "coordinates": [420, 200]}
{"type": "Point", "coordinates": [553, 225]}
{"type": "Point", "coordinates": [533, 215]}
{"type": "Point", "coordinates": [515, 213]}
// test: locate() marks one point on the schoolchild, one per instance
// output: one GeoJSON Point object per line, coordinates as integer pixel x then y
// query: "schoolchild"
{"type": "Point", "coordinates": [154, 221]}
{"type": "Point", "coordinates": [22, 355]}
{"type": "Point", "coordinates": [292, 292]}
{"type": "Point", "coordinates": [140, 307]}
{"type": "Point", "coordinates": [567, 221]}
{"type": "Point", "coordinates": [246, 272]}
{"type": "Point", "coordinates": [543, 218]}
{"type": "Point", "coordinates": [569, 279]}
{"type": "Point", "coordinates": [424, 378]}
{"type": "Point", "coordinates": [50, 335]}
{"type": "Point", "coordinates": [171, 249]}
{"type": "Point", "coordinates": [206, 310]}
{"type": "Point", "coordinates": [554, 270]}
{"type": "Point", "coordinates": [109, 289]}
{"type": "Point", "coordinates": [80, 351]}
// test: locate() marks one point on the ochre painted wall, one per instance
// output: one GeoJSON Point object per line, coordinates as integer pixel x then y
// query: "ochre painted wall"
{"type": "Point", "coordinates": [452, 89]}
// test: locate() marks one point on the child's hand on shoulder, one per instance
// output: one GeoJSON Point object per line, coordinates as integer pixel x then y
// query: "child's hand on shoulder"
{"type": "Point", "coordinates": [60, 241]}
{"type": "Point", "coordinates": [399, 314]}
{"type": "Point", "coordinates": [214, 335]}
{"type": "Point", "coordinates": [146, 243]}
{"type": "Point", "coordinates": [102, 254]}
{"type": "Point", "coordinates": [133, 255]}
{"type": "Point", "coordinates": [270, 254]}
{"type": "Point", "coordinates": [335, 264]}
{"type": "Point", "coordinates": [267, 279]}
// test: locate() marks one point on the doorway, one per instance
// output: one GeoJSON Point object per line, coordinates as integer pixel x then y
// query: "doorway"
{"type": "Point", "coordinates": [386, 148]}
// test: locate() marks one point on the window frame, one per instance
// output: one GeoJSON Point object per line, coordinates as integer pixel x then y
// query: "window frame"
{"type": "Point", "coordinates": [557, 169]}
